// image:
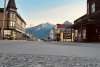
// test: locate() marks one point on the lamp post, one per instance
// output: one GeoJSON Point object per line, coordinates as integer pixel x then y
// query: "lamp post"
{"type": "Point", "coordinates": [4, 17]}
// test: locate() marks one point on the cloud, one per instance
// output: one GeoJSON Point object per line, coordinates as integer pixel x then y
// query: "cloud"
{"type": "Point", "coordinates": [57, 15]}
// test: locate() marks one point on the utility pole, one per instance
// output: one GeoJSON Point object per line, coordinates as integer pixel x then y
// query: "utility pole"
{"type": "Point", "coordinates": [4, 17]}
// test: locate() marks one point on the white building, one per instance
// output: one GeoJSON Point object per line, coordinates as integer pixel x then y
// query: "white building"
{"type": "Point", "coordinates": [52, 34]}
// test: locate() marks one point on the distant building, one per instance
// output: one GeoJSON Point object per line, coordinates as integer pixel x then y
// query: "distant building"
{"type": "Point", "coordinates": [14, 25]}
{"type": "Point", "coordinates": [68, 33]}
{"type": "Point", "coordinates": [87, 27]}
{"type": "Point", "coordinates": [52, 35]}
{"type": "Point", "coordinates": [63, 32]}
{"type": "Point", "coordinates": [59, 32]}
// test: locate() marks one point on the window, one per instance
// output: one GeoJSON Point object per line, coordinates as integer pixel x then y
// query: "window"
{"type": "Point", "coordinates": [93, 8]}
{"type": "Point", "coordinates": [76, 33]}
{"type": "Point", "coordinates": [12, 24]}
{"type": "Point", "coordinates": [12, 15]}
{"type": "Point", "coordinates": [84, 34]}
{"type": "Point", "coordinates": [7, 32]}
{"type": "Point", "coordinates": [23, 25]}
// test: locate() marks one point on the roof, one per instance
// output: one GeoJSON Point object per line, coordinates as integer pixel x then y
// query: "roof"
{"type": "Point", "coordinates": [11, 4]}
{"type": "Point", "coordinates": [67, 24]}
{"type": "Point", "coordinates": [1, 10]}
{"type": "Point", "coordinates": [20, 17]}
{"type": "Point", "coordinates": [88, 19]}
{"type": "Point", "coordinates": [81, 19]}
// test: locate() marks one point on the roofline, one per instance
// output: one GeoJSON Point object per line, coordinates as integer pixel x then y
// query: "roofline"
{"type": "Point", "coordinates": [20, 17]}
{"type": "Point", "coordinates": [80, 17]}
{"type": "Point", "coordinates": [11, 4]}
{"type": "Point", "coordinates": [16, 14]}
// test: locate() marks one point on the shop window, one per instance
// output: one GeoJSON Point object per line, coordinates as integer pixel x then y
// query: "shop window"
{"type": "Point", "coordinates": [7, 32]}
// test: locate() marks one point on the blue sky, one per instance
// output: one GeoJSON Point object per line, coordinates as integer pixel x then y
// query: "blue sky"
{"type": "Point", "coordinates": [36, 12]}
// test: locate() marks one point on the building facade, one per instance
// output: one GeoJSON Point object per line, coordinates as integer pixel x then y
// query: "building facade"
{"type": "Point", "coordinates": [87, 27]}
{"type": "Point", "coordinates": [64, 32]}
{"type": "Point", "coordinates": [52, 35]}
{"type": "Point", "coordinates": [14, 25]}
{"type": "Point", "coordinates": [68, 32]}
{"type": "Point", "coordinates": [59, 28]}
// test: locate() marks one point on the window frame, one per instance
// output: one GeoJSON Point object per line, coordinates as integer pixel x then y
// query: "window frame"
{"type": "Point", "coordinates": [12, 24]}
{"type": "Point", "coordinates": [7, 32]}
{"type": "Point", "coordinates": [93, 8]}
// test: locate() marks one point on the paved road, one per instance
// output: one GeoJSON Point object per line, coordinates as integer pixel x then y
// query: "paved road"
{"type": "Point", "coordinates": [49, 54]}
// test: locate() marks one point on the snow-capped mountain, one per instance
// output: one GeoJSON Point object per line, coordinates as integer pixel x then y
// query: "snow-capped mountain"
{"type": "Point", "coordinates": [41, 31]}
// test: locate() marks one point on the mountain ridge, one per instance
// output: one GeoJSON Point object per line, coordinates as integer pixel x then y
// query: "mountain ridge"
{"type": "Point", "coordinates": [40, 31]}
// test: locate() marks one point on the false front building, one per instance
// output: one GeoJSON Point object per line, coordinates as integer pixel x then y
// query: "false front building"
{"type": "Point", "coordinates": [14, 25]}
{"type": "Point", "coordinates": [64, 32]}
{"type": "Point", "coordinates": [87, 27]}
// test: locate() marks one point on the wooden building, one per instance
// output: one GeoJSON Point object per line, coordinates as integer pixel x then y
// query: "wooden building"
{"type": "Point", "coordinates": [64, 32]}
{"type": "Point", "coordinates": [68, 32]}
{"type": "Point", "coordinates": [87, 27]}
{"type": "Point", "coordinates": [14, 25]}
{"type": "Point", "coordinates": [59, 28]}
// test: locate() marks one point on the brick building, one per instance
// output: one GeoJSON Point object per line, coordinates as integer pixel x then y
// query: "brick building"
{"type": "Point", "coordinates": [14, 25]}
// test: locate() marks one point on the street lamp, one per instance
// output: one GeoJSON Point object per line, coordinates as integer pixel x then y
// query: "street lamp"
{"type": "Point", "coordinates": [4, 16]}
